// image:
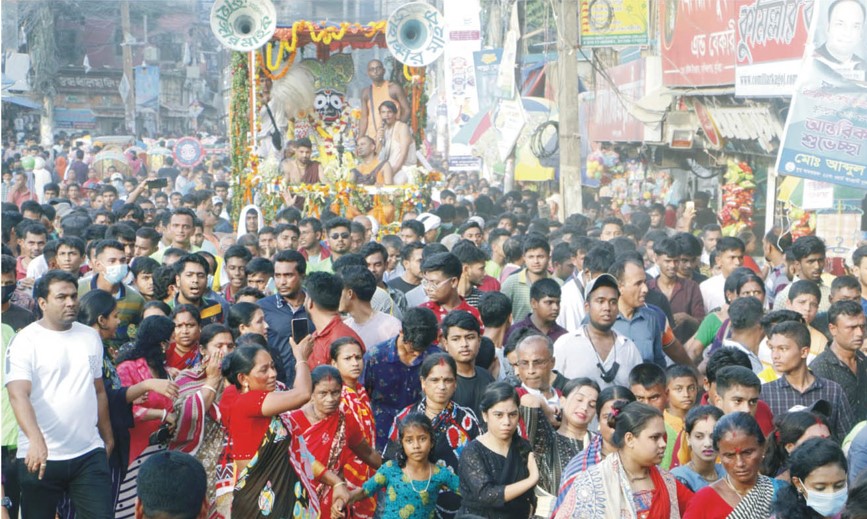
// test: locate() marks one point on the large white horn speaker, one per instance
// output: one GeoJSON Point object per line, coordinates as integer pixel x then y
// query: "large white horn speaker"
{"type": "Point", "coordinates": [243, 25]}
{"type": "Point", "coordinates": [415, 34]}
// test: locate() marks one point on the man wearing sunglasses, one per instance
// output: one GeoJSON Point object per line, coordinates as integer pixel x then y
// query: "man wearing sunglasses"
{"type": "Point", "coordinates": [337, 234]}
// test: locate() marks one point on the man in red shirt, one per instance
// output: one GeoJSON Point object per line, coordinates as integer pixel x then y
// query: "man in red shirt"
{"type": "Point", "coordinates": [323, 301]}
{"type": "Point", "coordinates": [441, 274]}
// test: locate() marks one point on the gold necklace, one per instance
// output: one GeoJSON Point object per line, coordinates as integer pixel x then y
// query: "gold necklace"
{"type": "Point", "coordinates": [736, 491]}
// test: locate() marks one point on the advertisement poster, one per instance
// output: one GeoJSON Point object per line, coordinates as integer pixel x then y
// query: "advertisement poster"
{"type": "Point", "coordinates": [697, 40]}
{"type": "Point", "coordinates": [610, 119]}
{"type": "Point", "coordinates": [147, 88]}
{"type": "Point", "coordinates": [772, 35]}
{"type": "Point", "coordinates": [825, 136]}
{"type": "Point", "coordinates": [487, 64]}
{"type": "Point", "coordinates": [605, 23]}
{"type": "Point", "coordinates": [463, 39]}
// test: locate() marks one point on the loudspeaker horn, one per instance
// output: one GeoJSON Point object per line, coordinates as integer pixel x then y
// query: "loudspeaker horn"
{"type": "Point", "coordinates": [243, 25]}
{"type": "Point", "coordinates": [415, 34]}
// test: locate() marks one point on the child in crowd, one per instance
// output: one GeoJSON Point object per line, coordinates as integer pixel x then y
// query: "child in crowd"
{"type": "Point", "coordinates": [701, 470]}
{"type": "Point", "coordinates": [413, 482]}
{"type": "Point", "coordinates": [681, 388]}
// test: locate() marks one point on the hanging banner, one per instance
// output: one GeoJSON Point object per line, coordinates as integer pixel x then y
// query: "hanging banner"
{"type": "Point", "coordinates": [605, 23]}
{"type": "Point", "coordinates": [771, 35]}
{"type": "Point", "coordinates": [487, 64]}
{"type": "Point", "coordinates": [610, 119]}
{"type": "Point", "coordinates": [464, 37]}
{"type": "Point", "coordinates": [825, 137]}
{"type": "Point", "coordinates": [697, 40]}
{"type": "Point", "coordinates": [147, 88]}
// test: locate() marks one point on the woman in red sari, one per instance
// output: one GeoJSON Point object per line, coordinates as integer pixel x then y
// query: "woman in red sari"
{"type": "Point", "coordinates": [742, 493]}
{"type": "Point", "coordinates": [270, 482]}
{"type": "Point", "coordinates": [348, 357]}
{"type": "Point", "coordinates": [331, 435]}
{"type": "Point", "coordinates": [629, 483]}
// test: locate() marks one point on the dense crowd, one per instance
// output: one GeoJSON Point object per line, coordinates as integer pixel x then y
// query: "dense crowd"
{"type": "Point", "coordinates": [488, 360]}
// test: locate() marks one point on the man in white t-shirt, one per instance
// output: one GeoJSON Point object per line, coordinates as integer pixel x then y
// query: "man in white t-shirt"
{"type": "Point", "coordinates": [596, 350]}
{"type": "Point", "coordinates": [54, 381]}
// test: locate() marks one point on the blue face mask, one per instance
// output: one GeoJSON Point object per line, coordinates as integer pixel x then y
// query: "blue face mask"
{"type": "Point", "coordinates": [827, 505]}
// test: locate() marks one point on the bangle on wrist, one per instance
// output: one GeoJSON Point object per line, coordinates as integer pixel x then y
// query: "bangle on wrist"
{"type": "Point", "coordinates": [338, 484]}
{"type": "Point", "coordinates": [209, 388]}
{"type": "Point", "coordinates": [302, 362]}
{"type": "Point", "coordinates": [165, 414]}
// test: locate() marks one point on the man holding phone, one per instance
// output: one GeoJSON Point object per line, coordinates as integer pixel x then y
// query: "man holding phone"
{"type": "Point", "coordinates": [285, 311]}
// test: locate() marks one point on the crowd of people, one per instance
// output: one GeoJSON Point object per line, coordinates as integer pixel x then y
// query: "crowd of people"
{"type": "Point", "coordinates": [488, 360]}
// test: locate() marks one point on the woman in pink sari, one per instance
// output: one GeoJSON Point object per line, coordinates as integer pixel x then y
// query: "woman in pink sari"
{"type": "Point", "coordinates": [331, 435]}
{"type": "Point", "coordinates": [348, 357]}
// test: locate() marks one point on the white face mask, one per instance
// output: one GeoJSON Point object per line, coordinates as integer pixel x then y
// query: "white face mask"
{"type": "Point", "coordinates": [827, 505]}
{"type": "Point", "coordinates": [114, 274]}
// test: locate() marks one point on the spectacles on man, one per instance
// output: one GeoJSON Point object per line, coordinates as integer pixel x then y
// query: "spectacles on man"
{"type": "Point", "coordinates": [427, 284]}
{"type": "Point", "coordinates": [340, 235]}
{"type": "Point", "coordinates": [540, 363]}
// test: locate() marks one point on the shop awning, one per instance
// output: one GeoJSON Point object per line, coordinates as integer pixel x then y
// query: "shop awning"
{"type": "Point", "coordinates": [22, 101]}
{"type": "Point", "coordinates": [748, 123]}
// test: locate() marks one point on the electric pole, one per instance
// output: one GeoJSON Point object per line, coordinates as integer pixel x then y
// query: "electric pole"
{"type": "Point", "coordinates": [567, 101]}
{"type": "Point", "coordinates": [129, 101]}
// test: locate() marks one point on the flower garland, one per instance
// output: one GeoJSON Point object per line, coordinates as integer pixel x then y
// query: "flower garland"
{"type": "Point", "coordinates": [285, 42]}
{"type": "Point", "coordinates": [239, 122]}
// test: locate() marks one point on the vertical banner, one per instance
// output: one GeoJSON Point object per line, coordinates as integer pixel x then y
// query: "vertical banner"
{"type": "Point", "coordinates": [463, 39]}
{"type": "Point", "coordinates": [772, 35]}
{"type": "Point", "coordinates": [147, 88]}
{"type": "Point", "coordinates": [487, 64]}
{"type": "Point", "coordinates": [697, 40]}
{"type": "Point", "coordinates": [606, 23]}
{"type": "Point", "coordinates": [825, 137]}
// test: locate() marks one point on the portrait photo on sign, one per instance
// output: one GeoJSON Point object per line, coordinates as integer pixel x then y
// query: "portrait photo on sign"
{"type": "Point", "coordinates": [839, 41]}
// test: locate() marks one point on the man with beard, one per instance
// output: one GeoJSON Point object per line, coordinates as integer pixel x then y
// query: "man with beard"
{"type": "Point", "coordinates": [301, 169]}
{"type": "Point", "coordinates": [191, 279]}
{"type": "Point", "coordinates": [281, 309]}
{"type": "Point", "coordinates": [615, 354]}
{"type": "Point", "coordinates": [380, 90]}
{"type": "Point", "coordinates": [370, 169]}
{"type": "Point", "coordinates": [337, 232]}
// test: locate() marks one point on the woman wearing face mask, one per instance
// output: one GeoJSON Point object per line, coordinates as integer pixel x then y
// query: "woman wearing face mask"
{"type": "Point", "coordinates": [555, 448]}
{"type": "Point", "coordinates": [600, 445]}
{"type": "Point", "coordinates": [818, 489]}
{"type": "Point", "coordinates": [628, 483]}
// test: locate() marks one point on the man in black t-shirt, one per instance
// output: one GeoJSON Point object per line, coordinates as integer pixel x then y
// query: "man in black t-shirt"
{"type": "Point", "coordinates": [462, 338]}
{"type": "Point", "coordinates": [410, 258]}
{"type": "Point", "coordinates": [169, 170]}
{"type": "Point", "coordinates": [12, 315]}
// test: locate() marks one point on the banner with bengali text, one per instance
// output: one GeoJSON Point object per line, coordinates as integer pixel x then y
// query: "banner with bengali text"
{"type": "Point", "coordinates": [697, 42]}
{"type": "Point", "coordinates": [825, 137]}
{"type": "Point", "coordinates": [463, 40]}
{"type": "Point", "coordinates": [606, 23]}
{"type": "Point", "coordinates": [771, 36]}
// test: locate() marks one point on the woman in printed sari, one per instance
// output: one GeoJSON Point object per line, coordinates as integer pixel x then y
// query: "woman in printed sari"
{"type": "Point", "coordinates": [154, 418]}
{"type": "Point", "coordinates": [600, 445]}
{"type": "Point", "coordinates": [454, 426]}
{"type": "Point", "coordinates": [270, 482]}
{"type": "Point", "coordinates": [742, 493]}
{"type": "Point", "coordinates": [332, 436]}
{"type": "Point", "coordinates": [348, 357]}
{"type": "Point", "coordinates": [199, 429]}
{"type": "Point", "coordinates": [628, 483]}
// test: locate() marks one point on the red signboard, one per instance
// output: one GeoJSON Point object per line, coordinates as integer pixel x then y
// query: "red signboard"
{"type": "Point", "coordinates": [697, 42]}
{"type": "Point", "coordinates": [771, 36]}
{"type": "Point", "coordinates": [610, 120]}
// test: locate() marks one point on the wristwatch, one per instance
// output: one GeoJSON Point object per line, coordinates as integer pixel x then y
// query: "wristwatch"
{"type": "Point", "coordinates": [6, 502]}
